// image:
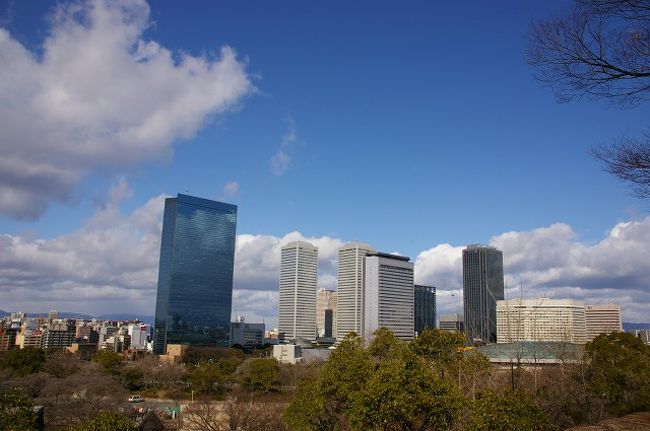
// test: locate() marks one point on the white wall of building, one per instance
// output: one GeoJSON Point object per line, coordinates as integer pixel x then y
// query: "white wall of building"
{"type": "Point", "coordinates": [297, 302]}
{"type": "Point", "coordinates": [350, 290]}
{"type": "Point", "coordinates": [388, 297]}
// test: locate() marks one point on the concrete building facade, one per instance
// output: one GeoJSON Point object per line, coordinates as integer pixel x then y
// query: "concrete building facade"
{"type": "Point", "coordinates": [541, 320]}
{"type": "Point", "coordinates": [298, 286]}
{"type": "Point", "coordinates": [451, 322]}
{"type": "Point", "coordinates": [350, 291]}
{"type": "Point", "coordinates": [326, 300]}
{"type": "Point", "coordinates": [388, 295]}
{"type": "Point", "coordinates": [602, 319]}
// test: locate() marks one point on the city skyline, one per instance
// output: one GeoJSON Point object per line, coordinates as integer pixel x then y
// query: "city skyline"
{"type": "Point", "coordinates": [292, 129]}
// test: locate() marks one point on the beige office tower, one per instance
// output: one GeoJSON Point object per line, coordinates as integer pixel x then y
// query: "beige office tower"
{"type": "Point", "coordinates": [542, 319]}
{"type": "Point", "coordinates": [602, 319]}
{"type": "Point", "coordinates": [350, 280]}
{"type": "Point", "coordinates": [297, 302]}
{"type": "Point", "coordinates": [326, 320]}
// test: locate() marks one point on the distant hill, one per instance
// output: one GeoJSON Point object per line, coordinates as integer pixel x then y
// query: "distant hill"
{"type": "Point", "coordinates": [630, 326]}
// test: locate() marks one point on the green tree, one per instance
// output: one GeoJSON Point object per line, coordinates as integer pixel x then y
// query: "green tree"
{"type": "Point", "coordinates": [403, 392]}
{"type": "Point", "coordinates": [16, 411]}
{"type": "Point", "coordinates": [22, 362]}
{"type": "Point", "coordinates": [511, 411]}
{"type": "Point", "coordinates": [617, 372]}
{"type": "Point", "coordinates": [207, 378]}
{"type": "Point", "coordinates": [344, 374]}
{"type": "Point", "coordinates": [262, 375]}
{"type": "Point", "coordinates": [108, 359]}
{"type": "Point", "coordinates": [307, 410]}
{"type": "Point", "coordinates": [106, 421]}
{"type": "Point", "coordinates": [386, 386]}
{"type": "Point", "coordinates": [442, 349]}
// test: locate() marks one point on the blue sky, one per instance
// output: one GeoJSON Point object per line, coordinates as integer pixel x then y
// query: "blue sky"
{"type": "Point", "coordinates": [405, 127]}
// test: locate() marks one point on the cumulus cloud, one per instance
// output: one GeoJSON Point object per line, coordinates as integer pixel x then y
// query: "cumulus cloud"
{"type": "Point", "coordinates": [111, 263]}
{"type": "Point", "coordinates": [281, 161]}
{"type": "Point", "coordinates": [99, 95]}
{"type": "Point", "coordinates": [551, 261]}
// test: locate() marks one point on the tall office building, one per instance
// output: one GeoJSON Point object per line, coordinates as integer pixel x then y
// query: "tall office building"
{"type": "Point", "coordinates": [482, 288]}
{"type": "Point", "coordinates": [388, 295]}
{"type": "Point", "coordinates": [602, 319]}
{"type": "Point", "coordinates": [425, 308]}
{"type": "Point", "coordinates": [326, 300]}
{"type": "Point", "coordinates": [297, 304]}
{"type": "Point", "coordinates": [349, 281]}
{"type": "Point", "coordinates": [542, 319]}
{"type": "Point", "coordinates": [197, 254]}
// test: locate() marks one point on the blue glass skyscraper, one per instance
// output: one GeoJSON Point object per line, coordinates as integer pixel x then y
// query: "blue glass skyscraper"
{"type": "Point", "coordinates": [197, 254]}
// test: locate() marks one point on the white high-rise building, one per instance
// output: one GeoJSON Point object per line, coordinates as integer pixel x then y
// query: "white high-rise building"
{"type": "Point", "coordinates": [326, 300]}
{"type": "Point", "coordinates": [602, 319]}
{"type": "Point", "coordinates": [389, 295]}
{"type": "Point", "coordinates": [297, 303]}
{"type": "Point", "coordinates": [349, 279]}
{"type": "Point", "coordinates": [542, 319]}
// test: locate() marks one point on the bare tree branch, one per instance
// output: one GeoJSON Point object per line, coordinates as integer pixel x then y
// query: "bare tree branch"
{"type": "Point", "coordinates": [600, 49]}
{"type": "Point", "coordinates": [629, 160]}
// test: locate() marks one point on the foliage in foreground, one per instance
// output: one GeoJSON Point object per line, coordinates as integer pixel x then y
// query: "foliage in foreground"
{"type": "Point", "coordinates": [386, 386]}
{"type": "Point", "coordinates": [16, 411]}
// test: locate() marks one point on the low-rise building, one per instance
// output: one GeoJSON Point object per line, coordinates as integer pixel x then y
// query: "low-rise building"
{"type": "Point", "coordinates": [247, 334]}
{"type": "Point", "coordinates": [542, 319]}
{"type": "Point", "coordinates": [287, 353]}
{"type": "Point", "coordinates": [602, 319]}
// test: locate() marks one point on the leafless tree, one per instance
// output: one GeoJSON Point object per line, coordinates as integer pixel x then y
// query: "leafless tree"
{"type": "Point", "coordinates": [629, 160]}
{"type": "Point", "coordinates": [601, 49]}
{"type": "Point", "coordinates": [233, 415]}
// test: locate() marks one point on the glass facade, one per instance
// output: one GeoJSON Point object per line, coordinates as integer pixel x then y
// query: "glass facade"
{"type": "Point", "coordinates": [482, 287]}
{"type": "Point", "coordinates": [425, 308]}
{"type": "Point", "coordinates": [197, 254]}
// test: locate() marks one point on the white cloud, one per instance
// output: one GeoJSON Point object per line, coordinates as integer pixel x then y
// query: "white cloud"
{"type": "Point", "coordinates": [230, 189]}
{"type": "Point", "coordinates": [111, 263]}
{"type": "Point", "coordinates": [99, 95]}
{"type": "Point", "coordinates": [550, 261]}
{"type": "Point", "coordinates": [281, 161]}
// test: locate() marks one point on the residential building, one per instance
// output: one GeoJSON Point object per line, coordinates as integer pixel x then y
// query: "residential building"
{"type": "Point", "coordinates": [542, 319]}
{"type": "Point", "coordinates": [297, 301]}
{"type": "Point", "coordinates": [29, 338]}
{"type": "Point", "coordinates": [602, 319]}
{"type": "Point", "coordinates": [388, 295]}
{"type": "Point", "coordinates": [349, 282]}
{"type": "Point", "coordinates": [7, 339]}
{"type": "Point", "coordinates": [451, 322]}
{"type": "Point", "coordinates": [326, 306]}
{"type": "Point", "coordinates": [197, 255]}
{"type": "Point", "coordinates": [425, 307]}
{"type": "Point", "coordinates": [482, 287]}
